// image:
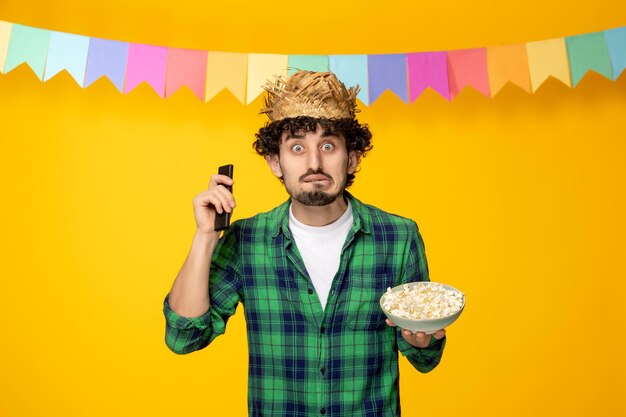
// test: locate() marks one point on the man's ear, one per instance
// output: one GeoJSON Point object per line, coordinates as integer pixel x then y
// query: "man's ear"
{"type": "Point", "coordinates": [353, 161]}
{"type": "Point", "coordinates": [272, 161]}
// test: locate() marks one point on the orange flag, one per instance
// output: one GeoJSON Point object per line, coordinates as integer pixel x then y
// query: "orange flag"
{"type": "Point", "coordinates": [508, 63]}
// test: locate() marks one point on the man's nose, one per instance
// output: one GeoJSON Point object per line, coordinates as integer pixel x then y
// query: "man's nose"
{"type": "Point", "coordinates": [315, 159]}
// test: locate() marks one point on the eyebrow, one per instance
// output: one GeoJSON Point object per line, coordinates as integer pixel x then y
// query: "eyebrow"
{"type": "Point", "coordinates": [325, 134]}
{"type": "Point", "coordinates": [294, 136]}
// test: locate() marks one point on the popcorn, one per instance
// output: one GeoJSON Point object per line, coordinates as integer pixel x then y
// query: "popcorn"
{"type": "Point", "coordinates": [423, 300]}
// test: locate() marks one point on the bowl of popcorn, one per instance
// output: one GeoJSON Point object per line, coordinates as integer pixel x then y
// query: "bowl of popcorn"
{"type": "Point", "coordinates": [423, 306]}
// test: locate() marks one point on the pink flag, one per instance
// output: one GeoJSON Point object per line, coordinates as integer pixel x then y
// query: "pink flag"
{"type": "Point", "coordinates": [146, 63]}
{"type": "Point", "coordinates": [468, 67]}
{"type": "Point", "coordinates": [428, 69]}
{"type": "Point", "coordinates": [186, 67]}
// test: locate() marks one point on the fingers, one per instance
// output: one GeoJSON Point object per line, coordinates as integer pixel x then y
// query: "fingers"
{"type": "Point", "coordinates": [437, 335]}
{"type": "Point", "coordinates": [213, 197]}
{"type": "Point", "coordinates": [216, 199]}
{"type": "Point", "coordinates": [421, 339]}
{"type": "Point", "coordinates": [218, 183]}
{"type": "Point", "coordinates": [226, 198]}
{"type": "Point", "coordinates": [217, 195]}
{"type": "Point", "coordinates": [217, 179]}
{"type": "Point", "coordinates": [418, 339]}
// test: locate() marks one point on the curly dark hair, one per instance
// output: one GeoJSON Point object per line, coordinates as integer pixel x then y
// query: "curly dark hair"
{"type": "Point", "coordinates": [358, 136]}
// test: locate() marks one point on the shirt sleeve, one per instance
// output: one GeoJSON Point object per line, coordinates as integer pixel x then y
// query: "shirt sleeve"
{"type": "Point", "coordinates": [187, 334]}
{"type": "Point", "coordinates": [422, 359]}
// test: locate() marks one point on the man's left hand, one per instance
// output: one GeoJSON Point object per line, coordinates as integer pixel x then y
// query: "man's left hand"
{"type": "Point", "coordinates": [418, 339]}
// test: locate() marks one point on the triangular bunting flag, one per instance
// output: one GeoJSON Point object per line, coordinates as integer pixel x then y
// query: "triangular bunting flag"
{"type": "Point", "coordinates": [468, 67]}
{"type": "Point", "coordinates": [317, 63]}
{"type": "Point", "coordinates": [263, 67]}
{"type": "Point", "coordinates": [588, 52]}
{"type": "Point", "coordinates": [545, 59]}
{"type": "Point", "coordinates": [186, 67]}
{"type": "Point", "coordinates": [387, 72]}
{"type": "Point", "coordinates": [508, 64]}
{"type": "Point", "coordinates": [67, 52]}
{"type": "Point", "coordinates": [351, 70]}
{"type": "Point", "coordinates": [616, 43]}
{"type": "Point", "coordinates": [106, 58]}
{"type": "Point", "coordinates": [428, 69]}
{"type": "Point", "coordinates": [226, 70]}
{"type": "Point", "coordinates": [5, 37]}
{"type": "Point", "coordinates": [146, 63]}
{"type": "Point", "coordinates": [28, 45]}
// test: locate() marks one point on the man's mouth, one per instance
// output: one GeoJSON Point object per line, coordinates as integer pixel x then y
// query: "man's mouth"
{"type": "Point", "coordinates": [316, 178]}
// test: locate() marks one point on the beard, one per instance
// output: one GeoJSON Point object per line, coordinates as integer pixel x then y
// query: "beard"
{"type": "Point", "coordinates": [316, 198]}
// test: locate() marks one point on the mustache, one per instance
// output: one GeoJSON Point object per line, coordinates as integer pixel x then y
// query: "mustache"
{"type": "Point", "coordinates": [314, 172]}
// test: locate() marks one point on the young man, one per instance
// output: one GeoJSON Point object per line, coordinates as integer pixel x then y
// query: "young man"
{"type": "Point", "coordinates": [310, 272]}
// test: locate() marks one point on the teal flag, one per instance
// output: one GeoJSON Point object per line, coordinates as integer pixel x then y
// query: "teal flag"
{"type": "Point", "coordinates": [28, 45]}
{"type": "Point", "coordinates": [616, 43]}
{"type": "Point", "coordinates": [352, 70]}
{"type": "Point", "coordinates": [588, 52]}
{"type": "Point", "coordinates": [307, 62]}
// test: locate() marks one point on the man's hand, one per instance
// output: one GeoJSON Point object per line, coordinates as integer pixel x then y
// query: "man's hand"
{"type": "Point", "coordinates": [418, 339]}
{"type": "Point", "coordinates": [215, 199]}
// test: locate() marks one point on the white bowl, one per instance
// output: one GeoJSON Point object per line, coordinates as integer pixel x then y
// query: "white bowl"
{"type": "Point", "coordinates": [427, 326]}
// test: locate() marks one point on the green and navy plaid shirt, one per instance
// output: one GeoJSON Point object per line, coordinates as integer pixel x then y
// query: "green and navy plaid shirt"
{"type": "Point", "coordinates": [305, 360]}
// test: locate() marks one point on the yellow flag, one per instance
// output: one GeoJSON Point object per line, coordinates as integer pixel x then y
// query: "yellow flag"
{"type": "Point", "coordinates": [5, 36]}
{"type": "Point", "coordinates": [548, 58]}
{"type": "Point", "coordinates": [226, 70]}
{"type": "Point", "coordinates": [263, 67]}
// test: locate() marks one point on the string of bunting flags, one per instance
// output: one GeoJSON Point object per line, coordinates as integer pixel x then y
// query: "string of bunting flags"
{"type": "Point", "coordinates": [206, 73]}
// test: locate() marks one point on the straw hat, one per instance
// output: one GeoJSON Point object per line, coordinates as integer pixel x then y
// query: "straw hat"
{"type": "Point", "coordinates": [308, 93]}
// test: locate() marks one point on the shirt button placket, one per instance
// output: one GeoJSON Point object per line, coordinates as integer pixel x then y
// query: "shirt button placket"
{"type": "Point", "coordinates": [323, 369]}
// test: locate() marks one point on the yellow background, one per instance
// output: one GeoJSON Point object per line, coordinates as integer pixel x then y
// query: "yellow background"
{"type": "Point", "coordinates": [520, 200]}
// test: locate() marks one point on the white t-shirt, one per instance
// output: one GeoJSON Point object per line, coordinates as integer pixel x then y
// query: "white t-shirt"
{"type": "Point", "coordinates": [320, 248]}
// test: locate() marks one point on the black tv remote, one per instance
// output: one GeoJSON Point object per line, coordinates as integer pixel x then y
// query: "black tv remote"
{"type": "Point", "coordinates": [222, 221]}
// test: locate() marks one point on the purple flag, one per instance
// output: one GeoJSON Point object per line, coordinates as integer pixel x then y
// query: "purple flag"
{"type": "Point", "coordinates": [106, 58]}
{"type": "Point", "coordinates": [428, 69]}
{"type": "Point", "coordinates": [387, 72]}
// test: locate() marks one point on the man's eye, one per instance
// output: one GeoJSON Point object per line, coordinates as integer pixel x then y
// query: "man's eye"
{"type": "Point", "coordinates": [297, 148]}
{"type": "Point", "coordinates": [328, 147]}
